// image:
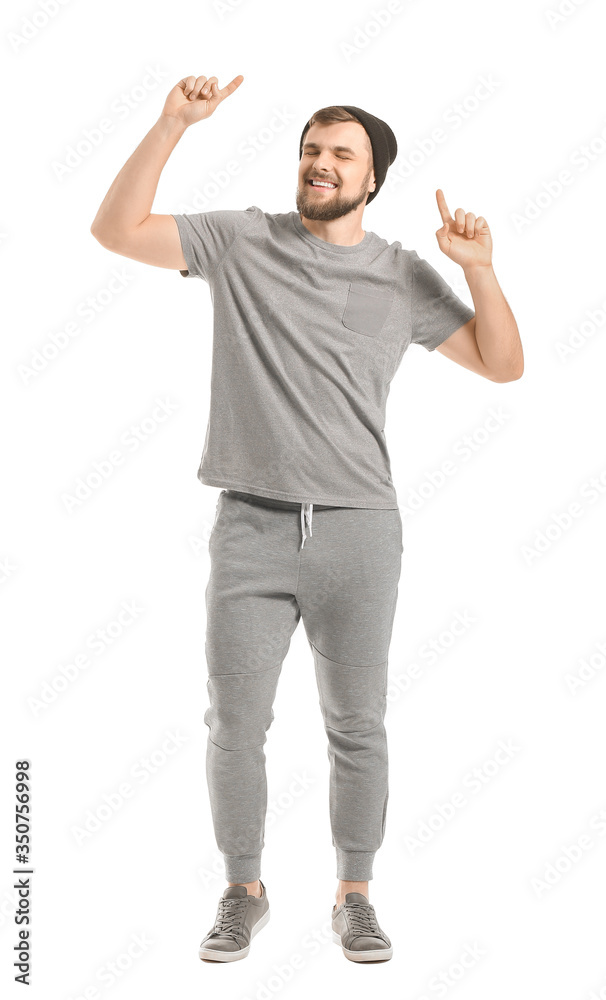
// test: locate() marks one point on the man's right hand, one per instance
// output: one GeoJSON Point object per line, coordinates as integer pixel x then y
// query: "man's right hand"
{"type": "Point", "coordinates": [124, 222]}
{"type": "Point", "coordinates": [195, 98]}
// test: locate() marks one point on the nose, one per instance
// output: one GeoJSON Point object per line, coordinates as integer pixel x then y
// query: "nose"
{"type": "Point", "coordinates": [319, 167]}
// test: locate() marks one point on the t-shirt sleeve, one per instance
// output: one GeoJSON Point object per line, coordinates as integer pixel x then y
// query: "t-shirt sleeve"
{"type": "Point", "coordinates": [206, 238]}
{"type": "Point", "coordinates": [436, 310]}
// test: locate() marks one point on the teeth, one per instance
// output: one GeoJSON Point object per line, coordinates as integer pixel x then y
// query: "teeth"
{"type": "Point", "coordinates": [322, 184]}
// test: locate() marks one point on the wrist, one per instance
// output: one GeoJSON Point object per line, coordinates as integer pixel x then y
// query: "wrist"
{"type": "Point", "coordinates": [479, 273]}
{"type": "Point", "coordinates": [172, 124]}
{"type": "Point", "coordinates": [478, 268]}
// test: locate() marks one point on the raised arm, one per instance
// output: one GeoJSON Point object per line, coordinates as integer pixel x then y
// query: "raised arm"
{"type": "Point", "coordinates": [489, 344]}
{"type": "Point", "coordinates": [124, 223]}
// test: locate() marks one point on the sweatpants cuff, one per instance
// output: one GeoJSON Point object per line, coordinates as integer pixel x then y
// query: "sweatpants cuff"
{"type": "Point", "coordinates": [354, 866]}
{"type": "Point", "coordinates": [243, 868]}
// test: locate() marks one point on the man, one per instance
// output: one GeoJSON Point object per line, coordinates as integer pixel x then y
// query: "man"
{"type": "Point", "coordinates": [312, 315]}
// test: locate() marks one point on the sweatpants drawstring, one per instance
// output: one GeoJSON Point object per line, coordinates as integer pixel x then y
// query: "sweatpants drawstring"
{"type": "Point", "coordinates": [306, 515]}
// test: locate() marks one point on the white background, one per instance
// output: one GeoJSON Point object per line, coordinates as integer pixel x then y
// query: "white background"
{"type": "Point", "coordinates": [472, 547]}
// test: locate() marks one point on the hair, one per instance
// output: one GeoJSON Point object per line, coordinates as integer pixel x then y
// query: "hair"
{"type": "Point", "coordinates": [334, 113]}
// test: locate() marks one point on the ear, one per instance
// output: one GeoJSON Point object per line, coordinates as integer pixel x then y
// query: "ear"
{"type": "Point", "coordinates": [373, 179]}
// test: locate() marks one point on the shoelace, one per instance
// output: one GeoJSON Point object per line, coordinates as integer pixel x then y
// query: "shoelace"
{"type": "Point", "coordinates": [362, 918]}
{"type": "Point", "coordinates": [229, 917]}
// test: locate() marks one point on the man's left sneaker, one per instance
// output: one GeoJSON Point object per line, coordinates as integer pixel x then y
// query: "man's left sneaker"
{"type": "Point", "coordinates": [355, 928]}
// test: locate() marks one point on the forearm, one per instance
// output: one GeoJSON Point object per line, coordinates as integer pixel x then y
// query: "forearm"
{"type": "Point", "coordinates": [496, 330]}
{"type": "Point", "coordinates": [131, 196]}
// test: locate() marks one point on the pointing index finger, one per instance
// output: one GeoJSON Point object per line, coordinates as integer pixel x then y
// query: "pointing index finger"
{"type": "Point", "coordinates": [443, 207]}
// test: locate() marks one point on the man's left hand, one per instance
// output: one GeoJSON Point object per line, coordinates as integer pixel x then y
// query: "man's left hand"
{"type": "Point", "coordinates": [465, 239]}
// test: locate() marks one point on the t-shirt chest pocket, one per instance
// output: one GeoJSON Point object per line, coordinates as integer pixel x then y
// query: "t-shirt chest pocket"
{"type": "Point", "coordinates": [366, 308]}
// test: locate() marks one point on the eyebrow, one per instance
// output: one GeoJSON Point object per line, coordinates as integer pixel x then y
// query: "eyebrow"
{"type": "Point", "coordinates": [344, 149]}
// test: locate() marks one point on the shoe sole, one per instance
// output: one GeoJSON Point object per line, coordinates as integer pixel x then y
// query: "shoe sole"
{"type": "Point", "coordinates": [375, 955]}
{"type": "Point", "coordinates": [233, 956]}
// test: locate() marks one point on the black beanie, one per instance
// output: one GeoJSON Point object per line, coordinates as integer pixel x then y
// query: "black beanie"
{"type": "Point", "coordinates": [382, 140]}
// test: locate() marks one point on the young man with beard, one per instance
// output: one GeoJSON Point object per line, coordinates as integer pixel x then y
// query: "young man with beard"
{"type": "Point", "coordinates": [312, 316]}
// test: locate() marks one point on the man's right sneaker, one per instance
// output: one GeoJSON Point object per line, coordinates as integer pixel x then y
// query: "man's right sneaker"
{"type": "Point", "coordinates": [239, 917]}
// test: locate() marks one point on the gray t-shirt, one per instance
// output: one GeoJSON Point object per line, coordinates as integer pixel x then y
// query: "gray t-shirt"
{"type": "Point", "coordinates": [307, 338]}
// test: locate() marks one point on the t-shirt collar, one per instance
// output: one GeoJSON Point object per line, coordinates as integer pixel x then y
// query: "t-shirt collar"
{"type": "Point", "coordinates": [331, 247]}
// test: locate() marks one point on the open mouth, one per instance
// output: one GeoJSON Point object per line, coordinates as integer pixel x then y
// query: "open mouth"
{"type": "Point", "coordinates": [321, 185]}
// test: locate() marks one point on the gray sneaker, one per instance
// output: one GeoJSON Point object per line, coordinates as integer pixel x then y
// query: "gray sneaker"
{"type": "Point", "coordinates": [355, 928]}
{"type": "Point", "coordinates": [239, 917]}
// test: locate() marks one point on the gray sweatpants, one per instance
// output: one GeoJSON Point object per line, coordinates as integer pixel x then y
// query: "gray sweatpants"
{"type": "Point", "coordinates": [269, 567]}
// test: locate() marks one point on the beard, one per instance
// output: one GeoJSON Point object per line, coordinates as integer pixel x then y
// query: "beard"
{"type": "Point", "coordinates": [327, 208]}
